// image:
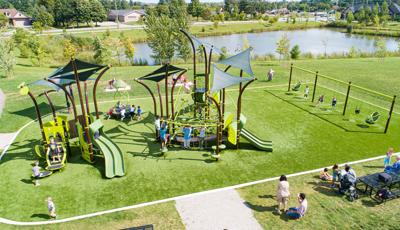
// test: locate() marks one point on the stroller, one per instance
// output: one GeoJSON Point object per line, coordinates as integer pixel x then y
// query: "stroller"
{"type": "Point", "coordinates": [348, 186]}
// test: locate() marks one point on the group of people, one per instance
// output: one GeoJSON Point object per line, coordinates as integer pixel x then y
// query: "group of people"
{"type": "Point", "coordinates": [125, 111]}
{"type": "Point", "coordinates": [282, 197]}
{"type": "Point", "coordinates": [321, 99]}
{"type": "Point", "coordinates": [187, 130]}
{"type": "Point", "coordinates": [395, 168]}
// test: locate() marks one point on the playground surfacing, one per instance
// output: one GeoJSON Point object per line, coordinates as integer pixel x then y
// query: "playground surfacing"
{"type": "Point", "coordinates": [301, 142]}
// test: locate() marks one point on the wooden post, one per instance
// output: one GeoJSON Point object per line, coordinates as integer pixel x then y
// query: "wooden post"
{"type": "Point", "coordinates": [390, 114]}
{"type": "Point", "coordinates": [86, 98]}
{"type": "Point", "coordinates": [347, 99]}
{"type": "Point", "coordinates": [315, 86]}
{"type": "Point", "coordinates": [290, 76]}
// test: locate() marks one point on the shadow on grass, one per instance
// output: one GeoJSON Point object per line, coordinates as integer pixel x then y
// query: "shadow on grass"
{"type": "Point", "coordinates": [373, 166]}
{"type": "Point", "coordinates": [26, 181]}
{"type": "Point", "coordinates": [324, 188]}
{"type": "Point", "coordinates": [319, 116]}
{"type": "Point", "coordinates": [259, 208]}
{"type": "Point", "coordinates": [41, 216]}
{"type": "Point", "coordinates": [267, 196]}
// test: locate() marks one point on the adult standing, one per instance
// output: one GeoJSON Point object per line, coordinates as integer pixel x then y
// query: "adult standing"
{"type": "Point", "coordinates": [270, 74]}
{"type": "Point", "coordinates": [282, 194]}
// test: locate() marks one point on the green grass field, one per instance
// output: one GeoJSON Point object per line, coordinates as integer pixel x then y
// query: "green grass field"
{"type": "Point", "coordinates": [303, 139]}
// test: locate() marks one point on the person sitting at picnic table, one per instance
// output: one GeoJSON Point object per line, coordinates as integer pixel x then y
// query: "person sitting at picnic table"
{"type": "Point", "coordinates": [297, 213]}
{"type": "Point", "coordinates": [386, 160]}
{"type": "Point", "coordinates": [110, 113]}
{"type": "Point", "coordinates": [349, 170]}
{"type": "Point", "coordinates": [123, 111]}
{"type": "Point", "coordinates": [395, 168]}
{"type": "Point", "coordinates": [324, 175]}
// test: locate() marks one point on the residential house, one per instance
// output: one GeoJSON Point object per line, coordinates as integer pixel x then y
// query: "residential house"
{"type": "Point", "coordinates": [17, 19]}
{"type": "Point", "coordinates": [125, 15]}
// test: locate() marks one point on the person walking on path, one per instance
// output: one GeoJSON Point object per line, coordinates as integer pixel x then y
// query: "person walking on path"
{"type": "Point", "coordinates": [282, 194]}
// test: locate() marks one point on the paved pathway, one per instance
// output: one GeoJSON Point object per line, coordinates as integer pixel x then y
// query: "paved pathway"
{"type": "Point", "coordinates": [219, 210]}
{"type": "Point", "coordinates": [6, 139]}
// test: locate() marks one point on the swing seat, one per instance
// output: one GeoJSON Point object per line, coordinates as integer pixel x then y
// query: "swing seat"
{"type": "Point", "coordinates": [373, 118]}
{"type": "Point", "coordinates": [296, 87]}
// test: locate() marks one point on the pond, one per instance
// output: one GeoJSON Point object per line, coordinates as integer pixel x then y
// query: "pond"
{"type": "Point", "coordinates": [314, 41]}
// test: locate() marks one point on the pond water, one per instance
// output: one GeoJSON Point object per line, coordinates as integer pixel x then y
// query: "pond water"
{"type": "Point", "coordinates": [315, 41]}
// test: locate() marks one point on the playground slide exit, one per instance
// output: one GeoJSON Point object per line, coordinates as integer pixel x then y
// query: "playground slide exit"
{"type": "Point", "coordinates": [255, 141]}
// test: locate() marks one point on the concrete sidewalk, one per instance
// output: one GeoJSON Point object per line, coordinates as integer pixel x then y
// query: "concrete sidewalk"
{"type": "Point", "coordinates": [220, 210]}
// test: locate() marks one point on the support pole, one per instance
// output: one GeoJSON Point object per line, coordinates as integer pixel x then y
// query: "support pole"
{"type": "Point", "coordinates": [159, 97]}
{"type": "Point", "coordinates": [315, 86]}
{"type": "Point", "coordinates": [390, 114]}
{"type": "Point", "coordinates": [347, 98]}
{"type": "Point", "coordinates": [151, 94]}
{"type": "Point", "coordinates": [219, 128]}
{"type": "Point", "coordinates": [86, 98]}
{"type": "Point", "coordinates": [85, 121]}
{"type": "Point", "coordinates": [71, 98]}
{"type": "Point", "coordinates": [53, 110]}
{"type": "Point", "coordinates": [96, 108]}
{"type": "Point", "coordinates": [166, 91]}
{"type": "Point", "coordinates": [290, 76]}
{"type": "Point", "coordinates": [39, 117]}
{"type": "Point", "coordinates": [239, 111]}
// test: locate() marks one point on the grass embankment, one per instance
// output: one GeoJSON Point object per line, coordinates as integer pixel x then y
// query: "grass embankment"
{"type": "Point", "coordinates": [326, 209]}
{"type": "Point", "coordinates": [139, 35]}
{"type": "Point", "coordinates": [392, 29]}
{"type": "Point", "coordinates": [304, 137]}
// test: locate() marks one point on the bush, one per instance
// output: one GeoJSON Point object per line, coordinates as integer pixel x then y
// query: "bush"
{"type": "Point", "coordinates": [349, 28]}
{"type": "Point", "coordinates": [295, 52]}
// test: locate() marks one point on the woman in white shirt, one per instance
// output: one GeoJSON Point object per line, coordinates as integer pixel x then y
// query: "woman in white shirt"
{"type": "Point", "coordinates": [282, 194]}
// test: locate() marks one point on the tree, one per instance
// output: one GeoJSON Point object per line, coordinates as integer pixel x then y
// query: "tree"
{"type": "Point", "coordinates": [81, 11]}
{"type": "Point", "coordinates": [376, 20]}
{"type": "Point", "coordinates": [350, 17]}
{"type": "Point", "coordinates": [7, 57]}
{"type": "Point", "coordinates": [63, 12]}
{"type": "Point", "coordinates": [385, 12]}
{"type": "Point", "coordinates": [129, 50]}
{"type": "Point", "coordinates": [283, 46]}
{"type": "Point", "coordinates": [295, 52]}
{"type": "Point", "coordinates": [195, 9]}
{"type": "Point", "coordinates": [3, 21]}
{"type": "Point", "coordinates": [97, 11]}
{"type": "Point", "coordinates": [206, 14]}
{"type": "Point", "coordinates": [160, 34]}
{"type": "Point", "coordinates": [42, 16]}
{"type": "Point", "coordinates": [102, 55]}
{"type": "Point", "coordinates": [37, 27]}
{"type": "Point", "coordinates": [37, 50]}
{"type": "Point", "coordinates": [380, 48]}
{"type": "Point", "coordinates": [69, 49]}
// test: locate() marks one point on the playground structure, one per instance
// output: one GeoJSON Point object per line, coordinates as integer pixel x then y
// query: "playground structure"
{"type": "Point", "coordinates": [208, 106]}
{"type": "Point", "coordinates": [86, 129]}
{"type": "Point", "coordinates": [349, 92]}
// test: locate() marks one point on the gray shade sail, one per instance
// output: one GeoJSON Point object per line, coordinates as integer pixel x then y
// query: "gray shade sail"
{"type": "Point", "coordinates": [223, 80]}
{"type": "Point", "coordinates": [241, 61]}
{"type": "Point", "coordinates": [199, 42]}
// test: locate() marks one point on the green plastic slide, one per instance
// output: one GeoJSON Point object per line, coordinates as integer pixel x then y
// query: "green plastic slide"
{"type": "Point", "coordinates": [113, 157]}
{"type": "Point", "coordinates": [255, 141]}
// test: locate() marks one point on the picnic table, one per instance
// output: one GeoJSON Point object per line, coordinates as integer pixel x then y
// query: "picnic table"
{"type": "Point", "coordinates": [373, 184]}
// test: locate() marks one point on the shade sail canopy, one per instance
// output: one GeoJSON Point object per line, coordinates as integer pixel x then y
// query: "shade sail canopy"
{"type": "Point", "coordinates": [59, 81]}
{"type": "Point", "coordinates": [241, 61]}
{"type": "Point", "coordinates": [84, 69]}
{"type": "Point", "coordinates": [197, 42]}
{"type": "Point", "coordinates": [223, 80]}
{"type": "Point", "coordinates": [161, 73]}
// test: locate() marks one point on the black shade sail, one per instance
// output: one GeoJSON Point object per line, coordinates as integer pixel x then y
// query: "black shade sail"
{"type": "Point", "coordinates": [84, 69]}
{"type": "Point", "coordinates": [161, 73]}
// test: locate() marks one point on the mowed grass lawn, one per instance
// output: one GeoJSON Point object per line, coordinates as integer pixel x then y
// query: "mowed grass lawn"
{"type": "Point", "coordinates": [301, 140]}
{"type": "Point", "coordinates": [326, 208]}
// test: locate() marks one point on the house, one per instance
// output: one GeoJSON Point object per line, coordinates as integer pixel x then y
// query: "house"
{"type": "Point", "coordinates": [16, 18]}
{"type": "Point", "coordinates": [125, 15]}
{"type": "Point", "coordinates": [394, 9]}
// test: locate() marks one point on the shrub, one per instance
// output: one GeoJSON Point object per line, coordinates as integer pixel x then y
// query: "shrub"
{"type": "Point", "coordinates": [295, 52]}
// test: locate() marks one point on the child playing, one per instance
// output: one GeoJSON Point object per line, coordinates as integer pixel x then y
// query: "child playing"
{"type": "Point", "coordinates": [386, 161]}
{"type": "Point", "coordinates": [324, 175]}
{"type": "Point", "coordinates": [163, 135]}
{"type": "Point", "coordinates": [320, 100]}
{"type": "Point", "coordinates": [202, 135]}
{"type": "Point", "coordinates": [55, 150]}
{"type": "Point", "coordinates": [306, 92]}
{"type": "Point", "coordinates": [110, 113]}
{"type": "Point", "coordinates": [334, 102]}
{"type": "Point", "coordinates": [123, 111]}
{"type": "Point", "coordinates": [36, 173]}
{"type": "Point", "coordinates": [335, 174]}
{"type": "Point", "coordinates": [132, 112]}
{"type": "Point", "coordinates": [157, 125]}
{"type": "Point", "coordinates": [139, 113]}
{"type": "Point", "coordinates": [51, 207]}
{"type": "Point", "coordinates": [187, 133]}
